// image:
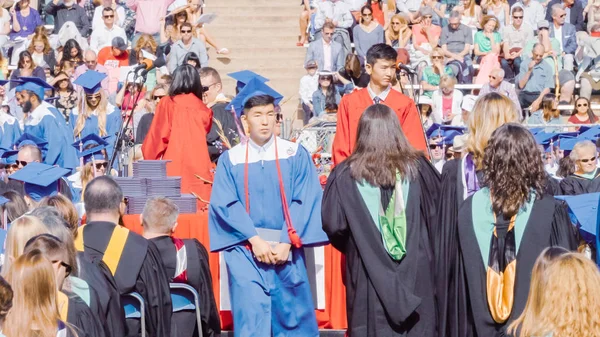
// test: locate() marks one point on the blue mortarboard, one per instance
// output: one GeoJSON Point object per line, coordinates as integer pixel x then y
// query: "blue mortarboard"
{"type": "Point", "coordinates": [590, 132]}
{"type": "Point", "coordinates": [253, 88]}
{"type": "Point", "coordinates": [438, 130]}
{"type": "Point", "coordinates": [35, 85]}
{"type": "Point", "coordinates": [3, 200]}
{"type": "Point", "coordinates": [449, 136]}
{"type": "Point", "coordinates": [583, 209]}
{"type": "Point", "coordinates": [29, 139]}
{"type": "Point", "coordinates": [94, 152]}
{"type": "Point", "coordinates": [3, 82]}
{"type": "Point", "coordinates": [9, 156]}
{"type": "Point", "coordinates": [90, 81]}
{"type": "Point", "coordinates": [40, 180]}
{"type": "Point", "coordinates": [244, 77]}
{"type": "Point", "coordinates": [567, 144]}
{"type": "Point", "coordinates": [535, 131]}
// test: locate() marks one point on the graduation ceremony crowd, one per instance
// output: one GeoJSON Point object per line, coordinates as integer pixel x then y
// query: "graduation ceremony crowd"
{"type": "Point", "coordinates": [470, 210]}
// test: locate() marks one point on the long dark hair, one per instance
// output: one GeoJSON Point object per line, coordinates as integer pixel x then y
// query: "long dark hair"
{"type": "Point", "coordinates": [381, 149]}
{"type": "Point", "coordinates": [186, 80]}
{"type": "Point", "coordinates": [330, 95]}
{"type": "Point", "coordinates": [15, 207]}
{"type": "Point", "coordinates": [70, 44]}
{"type": "Point", "coordinates": [512, 167]}
{"type": "Point", "coordinates": [590, 113]}
{"type": "Point", "coordinates": [191, 56]}
{"type": "Point", "coordinates": [25, 54]}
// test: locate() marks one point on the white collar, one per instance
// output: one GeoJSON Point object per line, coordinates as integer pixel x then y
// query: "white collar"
{"type": "Point", "coordinates": [263, 148]}
{"type": "Point", "coordinates": [382, 96]}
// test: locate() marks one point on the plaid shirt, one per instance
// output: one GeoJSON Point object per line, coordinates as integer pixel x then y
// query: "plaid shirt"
{"type": "Point", "coordinates": [88, 6]}
{"type": "Point", "coordinates": [129, 23]}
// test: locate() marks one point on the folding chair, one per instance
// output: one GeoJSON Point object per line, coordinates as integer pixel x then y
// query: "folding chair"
{"type": "Point", "coordinates": [133, 304]}
{"type": "Point", "coordinates": [185, 297]}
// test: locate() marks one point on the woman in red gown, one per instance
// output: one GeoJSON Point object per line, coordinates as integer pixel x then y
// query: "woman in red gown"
{"type": "Point", "coordinates": [178, 133]}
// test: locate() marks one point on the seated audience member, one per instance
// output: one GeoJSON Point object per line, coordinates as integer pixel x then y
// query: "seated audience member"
{"type": "Point", "coordinates": [446, 100]}
{"type": "Point", "coordinates": [410, 8]}
{"type": "Point", "coordinates": [71, 52]}
{"type": "Point", "coordinates": [565, 33]}
{"type": "Point", "coordinates": [497, 84]}
{"type": "Point", "coordinates": [188, 43]}
{"type": "Point", "coordinates": [41, 53]}
{"type": "Point", "coordinates": [102, 36]}
{"type": "Point", "coordinates": [425, 36]}
{"type": "Point", "coordinates": [533, 12]}
{"type": "Point", "coordinates": [487, 41]}
{"type": "Point", "coordinates": [514, 39]}
{"type": "Point", "coordinates": [425, 104]}
{"type": "Point", "coordinates": [398, 33]}
{"type": "Point", "coordinates": [534, 79]}
{"type": "Point", "coordinates": [131, 92]}
{"type": "Point", "coordinates": [499, 9]}
{"type": "Point", "coordinates": [192, 59]}
{"type": "Point", "coordinates": [115, 55]}
{"type": "Point", "coordinates": [353, 76]}
{"type": "Point", "coordinates": [159, 220]}
{"type": "Point", "coordinates": [26, 68]}
{"type": "Point", "coordinates": [90, 62]}
{"type": "Point", "coordinates": [36, 190]}
{"type": "Point", "coordinates": [548, 114]}
{"type": "Point", "coordinates": [118, 10]}
{"type": "Point", "coordinates": [19, 232]}
{"type": "Point", "coordinates": [573, 11]}
{"type": "Point", "coordinates": [468, 102]}
{"type": "Point", "coordinates": [309, 83]}
{"type": "Point", "coordinates": [564, 297]}
{"type": "Point", "coordinates": [73, 310]}
{"type": "Point", "coordinates": [326, 93]}
{"type": "Point", "coordinates": [593, 18]}
{"type": "Point", "coordinates": [471, 14]}
{"type": "Point", "coordinates": [439, 11]}
{"type": "Point", "coordinates": [24, 19]}
{"type": "Point", "coordinates": [65, 11]}
{"type": "Point", "coordinates": [430, 79]}
{"type": "Point", "coordinates": [137, 266]}
{"type": "Point", "coordinates": [456, 41]}
{"type": "Point", "coordinates": [582, 113]}
{"type": "Point", "coordinates": [338, 14]}
{"type": "Point", "coordinates": [382, 11]}
{"type": "Point", "coordinates": [142, 119]}
{"type": "Point", "coordinates": [170, 32]}
{"type": "Point", "coordinates": [6, 300]}
{"type": "Point", "coordinates": [585, 178]}
{"type": "Point", "coordinates": [367, 33]}
{"type": "Point", "coordinates": [68, 97]}
{"type": "Point", "coordinates": [328, 53]}
{"type": "Point", "coordinates": [14, 208]}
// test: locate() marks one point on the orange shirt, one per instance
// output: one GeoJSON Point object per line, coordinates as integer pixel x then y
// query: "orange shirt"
{"type": "Point", "coordinates": [419, 37]}
{"type": "Point", "coordinates": [105, 54]}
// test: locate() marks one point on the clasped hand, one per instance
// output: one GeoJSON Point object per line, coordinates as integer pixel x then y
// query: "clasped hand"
{"type": "Point", "coordinates": [263, 252]}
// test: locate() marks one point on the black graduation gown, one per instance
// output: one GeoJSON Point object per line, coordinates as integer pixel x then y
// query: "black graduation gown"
{"type": "Point", "coordinates": [384, 297]}
{"type": "Point", "coordinates": [228, 123]}
{"type": "Point", "coordinates": [548, 225]}
{"type": "Point", "coordinates": [199, 277]}
{"type": "Point", "coordinates": [139, 270]}
{"type": "Point", "coordinates": [553, 186]}
{"type": "Point", "coordinates": [574, 185]}
{"type": "Point", "coordinates": [81, 317]}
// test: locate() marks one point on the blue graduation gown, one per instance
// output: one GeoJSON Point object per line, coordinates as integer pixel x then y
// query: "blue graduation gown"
{"type": "Point", "coordinates": [43, 124]}
{"type": "Point", "coordinates": [10, 131]}
{"type": "Point", "coordinates": [113, 123]}
{"type": "Point", "coordinates": [267, 300]}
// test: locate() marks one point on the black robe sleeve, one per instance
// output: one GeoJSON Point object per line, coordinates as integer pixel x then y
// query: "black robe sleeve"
{"type": "Point", "coordinates": [570, 186]}
{"type": "Point", "coordinates": [143, 127]}
{"type": "Point", "coordinates": [229, 129]}
{"type": "Point", "coordinates": [83, 320]}
{"type": "Point", "coordinates": [153, 286]}
{"type": "Point", "coordinates": [430, 181]}
{"type": "Point", "coordinates": [333, 217]}
{"type": "Point", "coordinates": [211, 321]}
{"type": "Point", "coordinates": [553, 186]}
{"type": "Point", "coordinates": [564, 234]}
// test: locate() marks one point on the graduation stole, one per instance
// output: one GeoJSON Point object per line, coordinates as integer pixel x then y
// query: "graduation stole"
{"type": "Point", "coordinates": [294, 237]}
{"type": "Point", "coordinates": [501, 266]}
{"type": "Point", "coordinates": [589, 176]}
{"type": "Point", "coordinates": [114, 249]}
{"type": "Point", "coordinates": [63, 305]}
{"type": "Point", "coordinates": [181, 266]}
{"type": "Point", "coordinates": [392, 222]}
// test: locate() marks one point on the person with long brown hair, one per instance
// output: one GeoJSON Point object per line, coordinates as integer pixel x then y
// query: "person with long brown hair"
{"type": "Point", "coordinates": [378, 209]}
{"type": "Point", "coordinates": [41, 52]}
{"type": "Point", "coordinates": [504, 226]}
{"type": "Point", "coordinates": [548, 113]}
{"type": "Point", "coordinates": [398, 33]}
{"type": "Point", "coordinates": [582, 113]}
{"type": "Point", "coordinates": [19, 232]}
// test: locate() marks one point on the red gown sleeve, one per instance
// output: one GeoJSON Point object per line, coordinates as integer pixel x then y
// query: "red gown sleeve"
{"type": "Point", "coordinates": [208, 119]}
{"type": "Point", "coordinates": [341, 142]}
{"type": "Point", "coordinates": [157, 140]}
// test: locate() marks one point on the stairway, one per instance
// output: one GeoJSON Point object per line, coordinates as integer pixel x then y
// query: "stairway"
{"type": "Point", "coordinates": [261, 36]}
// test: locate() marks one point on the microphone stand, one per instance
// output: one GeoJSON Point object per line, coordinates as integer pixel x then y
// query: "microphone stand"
{"type": "Point", "coordinates": [123, 168]}
{"type": "Point", "coordinates": [411, 77]}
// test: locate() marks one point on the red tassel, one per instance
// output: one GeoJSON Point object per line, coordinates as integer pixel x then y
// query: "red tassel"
{"type": "Point", "coordinates": [294, 238]}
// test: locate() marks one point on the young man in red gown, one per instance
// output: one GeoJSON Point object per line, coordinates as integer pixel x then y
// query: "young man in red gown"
{"type": "Point", "coordinates": [381, 65]}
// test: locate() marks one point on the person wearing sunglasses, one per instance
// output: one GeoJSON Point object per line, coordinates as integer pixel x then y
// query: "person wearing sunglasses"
{"type": "Point", "coordinates": [564, 32]}
{"type": "Point", "coordinates": [367, 33]}
{"type": "Point", "coordinates": [582, 113]}
{"type": "Point", "coordinates": [102, 36]}
{"type": "Point", "coordinates": [430, 80]}
{"type": "Point", "coordinates": [94, 163]}
{"type": "Point", "coordinates": [574, 12]}
{"type": "Point", "coordinates": [514, 38]}
{"type": "Point", "coordinates": [585, 179]}
{"type": "Point", "coordinates": [119, 12]}
{"type": "Point", "coordinates": [181, 48]}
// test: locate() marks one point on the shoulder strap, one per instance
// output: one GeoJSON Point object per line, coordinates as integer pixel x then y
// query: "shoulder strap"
{"type": "Point", "coordinates": [192, 255]}
{"type": "Point", "coordinates": [114, 249]}
{"type": "Point", "coordinates": [63, 305]}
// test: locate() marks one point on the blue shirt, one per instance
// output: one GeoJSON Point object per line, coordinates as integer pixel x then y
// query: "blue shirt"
{"type": "Point", "coordinates": [540, 79]}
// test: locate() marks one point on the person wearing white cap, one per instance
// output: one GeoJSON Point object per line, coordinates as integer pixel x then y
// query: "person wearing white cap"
{"type": "Point", "coordinates": [467, 105]}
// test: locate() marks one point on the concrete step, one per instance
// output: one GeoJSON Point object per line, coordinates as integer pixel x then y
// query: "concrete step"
{"type": "Point", "coordinates": [250, 21]}
{"type": "Point", "coordinates": [250, 3]}
{"type": "Point", "coordinates": [258, 42]}
{"type": "Point", "coordinates": [227, 31]}
{"type": "Point", "coordinates": [257, 51]}
{"type": "Point", "coordinates": [254, 10]}
{"type": "Point", "coordinates": [261, 63]}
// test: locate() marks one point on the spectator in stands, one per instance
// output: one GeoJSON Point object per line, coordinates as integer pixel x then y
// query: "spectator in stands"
{"type": "Point", "coordinates": [159, 220]}
{"type": "Point", "coordinates": [326, 93]}
{"type": "Point", "coordinates": [565, 34]}
{"type": "Point", "coordinates": [534, 80]}
{"type": "Point", "coordinates": [145, 42]}
{"type": "Point", "coordinates": [488, 40]}
{"type": "Point", "coordinates": [308, 10]}
{"type": "Point", "coordinates": [499, 85]}
{"type": "Point", "coordinates": [67, 96]}
{"type": "Point", "coordinates": [446, 100]}
{"type": "Point", "coordinates": [532, 11]}
{"type": "Point", "coordinates": [514, 39]}
{"type": "Point", "coordinates": [118, 10]}
{"type": "Point", "coordinates": [6, 300]}
{"type": "Point", "coordinates": [409, 7]}
{"type": "Point", "coordinates": [170, 32]}
{"type": "Point", "coordinates": [439, 11]}
{"type": "Point", "coordinates": [4, 24]}
{"type": "Point", "coordinates": [68, 11]}
{"type": "Point", "coordinates": [328, 53]}
{"type": "Point", "coordinates": [102, 36]}
{"type": "Point", "coordinates": [466, 107]}
{"type": "Point", "coordinates": [188, 43]}
{"type": "Point", "coordinates": [498, 8]}
{"type": "Point", "coordinates": [430, 79]}
{"type": "Point", "coordinates": [115, 55]}
{"type": "Point", "coordinates": [456, 41]}
{"type": "Point", "coordinates": [471, 14]}
{"type": "Point", "coordinates": [593, 18]}
{"type": "Point", "coordinates": [582, 113]}
{"type": "Point", "coordinates": [148, 14]}
{"type": "Point", "coordinates": [41, 52]}
{"type": "Point", "coordinates": [26, 67]}
{"type": "Point", "coordinates": [425, 109]}
{"type": "Point", "coordinates": [548, 113]}
{"type": "Point", "coordinates": [71, 52]}
{"type": "Point", "coordinates": [90, 62]}
{"type": "Point", "coordinates": [398, 33]}
{"type": "Point", "coordinates": [19, 232]}
{"type": "Point", "coordinates": [573, 10]}
{"type": "Point", "coordinates": [381, 11]}
{"type": "Point", "coordinates": [367, 33]}
{"type": "Point", "coordinates": [309, 83]}
{"type": "Point", "coordinates": [24, 20]}
{"type": "Point", "coordinates": [338, 14]}
{"type": "Point", "coordinates": [353, 76]}
{"type": "Point", "coordinates": [425, 35]}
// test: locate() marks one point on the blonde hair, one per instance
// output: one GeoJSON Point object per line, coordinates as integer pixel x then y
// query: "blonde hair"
{"type": "Point", "coordinates": [85, 113]}
{"type": "Point", "coordinates": [160, 215]}
{"type": "Point", "coordinates": [34, 302]}
{"type": "Point", "coordinates": [87, 173]}
{"type": "Point", "coordinates": [565, 301]}
{"type": "Point", "coordinates": [392, 35]}
{"type": "Point", "coordinates": [584, 144]}
{"type": "Point", "coordinates": [490, 112]}
{"type": "Point", "coordinates": [19, 232]}
{"type": "Point", "coordinates": [447, 81]}
{"type": "Point", "coordinates": [145, 40]}
{"type": "Point", "coordinates": [65, 208]}
{"type": "Point", "coordinates": [37, 38]}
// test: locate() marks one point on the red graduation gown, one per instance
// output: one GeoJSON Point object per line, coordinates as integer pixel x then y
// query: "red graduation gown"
{"type": "Point", "coordinates": [352, 107]}
{"type": "Point", "coordinates": [178, 133]}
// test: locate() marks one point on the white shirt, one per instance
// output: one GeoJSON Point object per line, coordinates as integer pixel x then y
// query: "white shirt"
{"type": "Point", "coordinates": [103, 36]}
{"type": "Point", "coordinates": [327, 56]}
{"type": "Point", "coordinates": [381, 96]}
{"type": "Point", "coordinates": [355, 5]}
{"type": "Point", "coordinates": [533, 12]}
{"type": "Point", "coordinates": [406, 6]}
{"type": "Point", "coordinates": [308, 85]}
{"type": "Point", "coordinates": [558, 35]}
{"type": "Point", "coordinates": [97, 21]}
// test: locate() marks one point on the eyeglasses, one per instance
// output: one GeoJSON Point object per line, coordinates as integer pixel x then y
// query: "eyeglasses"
{"type": "Point", "coordinates": [185, 31]}
{"type": "Point", "coordinates": [582, 105]}
{"type": "Point", "coordinates": [517, 17]}
{"type": "Point", "coordinates": [435, 146]}
{"type": "Point", "coordinates": [206, 88]}
{"type": "Point", "coordinates": [158, 97]}
{"type": "Point", "coordinates": [99, 166]}
{"type": "Point", "coordinates": [492, 77]}
{"type": "Point", "coordinates": [93, 96]}
{"type": "Point", "coordinates": [91, 62]}
{"type": "Point", "coordinates": [68, 269]}
{"type": "Point", "coordinates": [26, 61]}
{"type": "Point", "coordinates": [14, 166]}
{"type": "Point", "coordinates": [395, 23]}
{"type": "Point", "coordinates": [367, 14]}
{"type": "Point", "coordinates": [587, 160]}
{"type": "Point", "coordinates": [328, 34]}
{"type": "Point", "coordinates": [562, 16]}
{"type": "Point", "coordinates": [325, 79]}
{"type": "Point", "coordinates": [109, 16]}
{"type": "Point", "coordinates": [427, 16]}
{"type": "Point", "coordinates": [21, 163]}
{"type": "Point", "coordinates": [437, 57]}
